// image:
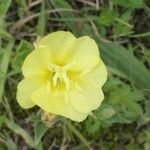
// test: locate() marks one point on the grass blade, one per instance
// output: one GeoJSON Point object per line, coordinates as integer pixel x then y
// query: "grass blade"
{"type": "Point", "coordinates": [64, 4]}
{"type": "Point", "coordinates": [4, 62]}
{"type": "Point", "coordinates": [18, 130]}
{"type": "Point", "coordinates": [41, 20]}
{"type": "Point", "coordinates": [4, 6]}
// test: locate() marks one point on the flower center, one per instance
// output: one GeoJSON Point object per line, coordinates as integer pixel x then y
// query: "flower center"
{"type": "Point", "coordinates": [60, 74]}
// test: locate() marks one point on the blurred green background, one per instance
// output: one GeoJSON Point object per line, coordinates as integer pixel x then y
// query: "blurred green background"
{"type": "Point", "coordinates": [122, 31]}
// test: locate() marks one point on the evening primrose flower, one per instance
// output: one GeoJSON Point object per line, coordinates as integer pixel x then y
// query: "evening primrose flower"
{"type": "Point", "coordinates": [63, 76]}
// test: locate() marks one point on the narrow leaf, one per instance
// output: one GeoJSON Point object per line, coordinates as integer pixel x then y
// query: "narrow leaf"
{"type": "Point", "coordinates": [118, 57]}
{"type": "Point", "coordinates": [65, 5]}
{"type": "Point", "coordinates": [41, 20]}
{"type": "Point", "coordinates": [23, 49]}
{"type": "Point", "coordinates": [4, 62]}
{"type": "Point", "coordinates": [19, 130]}
{"type": "Point", "coordinates": [4, 6]}
{"type": "Point", "coordinates": [39, 130]}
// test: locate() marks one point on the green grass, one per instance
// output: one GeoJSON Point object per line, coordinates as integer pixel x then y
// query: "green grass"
{"type": "Point", "coordinates": [121, 29]}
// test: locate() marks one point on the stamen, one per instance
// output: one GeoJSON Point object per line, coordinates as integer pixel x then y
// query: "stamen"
{"type": "Point", "coordinates": [61, 74]}
{"type": "Point", "coordinates": [55, 79]}
{"type": "Point", "coordinates": [66, 80]}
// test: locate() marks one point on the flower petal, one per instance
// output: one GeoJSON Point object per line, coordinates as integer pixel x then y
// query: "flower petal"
{"type": "Point", "coordinates": [73, 114]}
{"type": "Point", "coordinates": [84, 54]}
{"type": "Point", "coordinates": [86, 100]}
{"type": "Point", "coordinates": [36, 63]}
{"type": "Point", "coordinates": [93, 96]}
{"type": "Point", "coordinates": [90, 95]}
{"type": "Point", "coordinates": [97, 75]}
{"type": "Point", "coordinates": [59, 44]}
{"type": "Point", "coordinates": [25, 88]}
{"type": "Point", "coordinates": [56, 104]}
{"type": "Point", "coordinates": [79, 102]}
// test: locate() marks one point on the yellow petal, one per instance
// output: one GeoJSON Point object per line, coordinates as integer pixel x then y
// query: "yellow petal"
{"type": "Point", "coordinates": [97, 75]}
{"type": "Point", "coordinates": [59, 44]}
{"type": "Point", "coordinates": [25, 88]}
{"type": "Point", "coordinates": [90, 95]}
{"type": "Point", "coordinates": [84, 54]}
{"type": "Point", "coordinates": [87, 99]}
{"type": "Point", "coordinates": [79, 102]}
{"type": "Point", "coordinates": [73, 114]}
{"type": "Point", "coordinates": [36, 63]}
{"type": "Point", "coordinates": [56, 104]}
{"type": "Point", "coordinates": [93, 96]}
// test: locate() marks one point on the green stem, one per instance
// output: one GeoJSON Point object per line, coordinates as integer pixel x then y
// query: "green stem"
{"type": "Point", "coordinates": [78, 134]}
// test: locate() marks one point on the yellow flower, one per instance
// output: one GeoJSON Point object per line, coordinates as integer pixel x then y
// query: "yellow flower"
{"type": "Point", "coordinates": [63, 76]}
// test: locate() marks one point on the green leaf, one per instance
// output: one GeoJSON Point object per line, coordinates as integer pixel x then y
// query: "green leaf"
{"type": "Point", "coordinates": [107, 17]}
{"type": "Point", "coordinates": [10, 144]}
{"type": "Point", "coordinates": [22, 3]}
{"type": "Point", "coordinates": [23, 49]}
{"type": "Point", "coordinates": [39, 130]}
{"type": "Point", "coordinates": [126, 16]}
{"type": "Point", "coordinates": [129, 3]}
{"type": "Point", "coordinates": [119, 58]}
{"type": "Point", "coordinates": [65, 5]}
{"type": "Point", "coordinates": [132, 146]}
{"type": "Point", "coordinates": [147, 139]}
{"type": "Point", "coordinates": [41, 20]}
{"type": "Point", "coordinates": [2, 119]}
{"type": "Point", "coordinates": [4, 62]}
{"type": "Point", "coordinates": [78, 134]}
{"type": "Point", "coordinates": [4, 6]}
{"type": "Point", "coordinates": [92, 125]}
{"type": "Point", "coordinates": [108, 112]}
{"type": "Point", "coordinates": [122, 30]}
{"type": "Point", "coordinates": [19, 130]}
{"type": "Point", "coordinates": [147, 108]}
{"type": "Point", "coordinates": [5, 34]}
{"type": "Point", "coordinates": [124, 100]}
{"type": "Point", "coordinates": [122, 26]}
